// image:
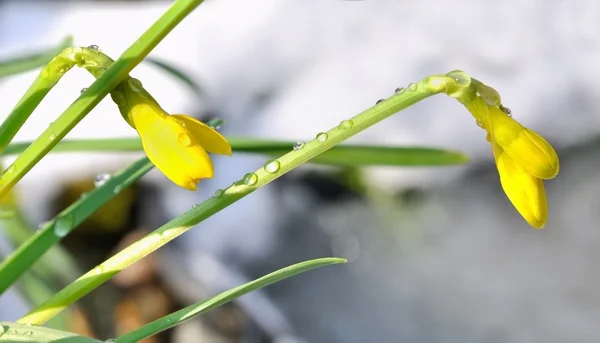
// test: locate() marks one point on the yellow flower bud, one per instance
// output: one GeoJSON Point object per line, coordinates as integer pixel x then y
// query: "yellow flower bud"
{"type": "Point", "coordinates": [176, 144]}
{"type": "Point", "coordinates": [525, 191]}
{"type": "Point", "coordinates": [524, 159]}
{"type": "Point", "coordinates": [532, 152]}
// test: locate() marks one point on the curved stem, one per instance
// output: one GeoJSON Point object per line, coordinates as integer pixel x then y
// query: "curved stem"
{"type": "Point", "coordinates": [248, 184]}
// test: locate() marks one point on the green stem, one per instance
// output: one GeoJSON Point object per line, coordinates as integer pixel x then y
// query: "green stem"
{"type": "Point", "coordinates": [109, 79]}
{"type": "Point", "coordinates": [452, 83]}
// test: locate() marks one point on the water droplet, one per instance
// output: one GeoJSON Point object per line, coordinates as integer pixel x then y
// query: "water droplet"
{"type": "Point", "coordinates": [460, 77]}
{"type": "Point", "coordinates": [219, 193]}
{"type": "Point", "coordinates": [184, 139]}
{"type": "Point", "coordinates": [10, 170]}
{"type": "Point", "coordinates": [399, 90]}
{"type": "Point", "coordinates": [250, 179]}
{"type": "Point", "coordinates": [346, 124]}
{"type": "Point", "coordinates": [379, 101]}
{"type": "Point", "coordinates": [506, 110]}
{"type": "Point", "coordinates": [117, 189]}
{"type": "Point", "coordinates": [479, 123]}
{"type": "Point", "coordinates": [94, 47]}
{"type": "Point", "coordinates": [272, 166]}
{"type": "Point", "coordinates": [82, 90]}
{"type": "Point", "coordinates": [135, 84]}
{"type": "Point", "coordinates": [298, 146]}
{"type": "Point", "coordinates": [195, 205]}
{"type": "Point", "coordinates": [28, 333]}
{"type": "Point", "coordinates": [52, 137]}
{"type": "Point", "coordinates": [99, 270]}
{"type": "Point", "coordinates": [100, 179]}
{"type": "Point", "coordinates": [63, 225]}
{"type": "Point", "coordinates": [118, 98]}
{"type": "Point", "coordinates": [322, 137]}
{"type": "Point", "coordinates": [412, 86]}
{"type": "Point", "coordinates": [215, 123]}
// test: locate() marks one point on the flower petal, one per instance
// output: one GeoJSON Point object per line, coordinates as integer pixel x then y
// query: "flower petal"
{"type": "Point", "coordinates": [532, 152]}
{"type": "Point", "coordinates": [170, 146]}
{"type": "Point", "coordinates": [525, 191]}
{"type": "Point", "coordinates": [208, 137]}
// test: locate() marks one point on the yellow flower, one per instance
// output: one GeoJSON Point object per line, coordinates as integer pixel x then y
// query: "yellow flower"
{"type": "Point", "coordinates": [522, 156]}
{"type": "Point", "coordinates": [176, 144]}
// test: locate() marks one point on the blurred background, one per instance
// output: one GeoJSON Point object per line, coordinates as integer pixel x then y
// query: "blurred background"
{"type": "Point", "coordinates": [435, 254]}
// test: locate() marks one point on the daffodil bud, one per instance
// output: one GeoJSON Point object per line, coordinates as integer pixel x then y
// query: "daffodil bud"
{"type": "Point", "coordinates": [525, 191]}
{"type": "Point", "coordinates": [176, 144]}
{"type": "Point", "coordinates": [524, 159]}
{"type": "Point", "coordinates": [532, 152]}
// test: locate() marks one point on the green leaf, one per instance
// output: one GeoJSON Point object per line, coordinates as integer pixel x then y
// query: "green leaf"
{"type": "Point", "coordinates": [202, 307]}
{"type": "Point", "coordinates": [20, 64]}
{"type": "Point", "coordinates": [20, 333]}
{"type": "Point", "coordinates": [178, 73]}
{"type": "Point", "coordinates": [341, 155]}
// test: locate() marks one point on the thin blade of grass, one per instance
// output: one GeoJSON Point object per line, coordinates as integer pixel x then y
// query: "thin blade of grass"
{"type": "Point", "coordinates": [342, 155]}
{"type": "Point", "coordinates": [202, 307]}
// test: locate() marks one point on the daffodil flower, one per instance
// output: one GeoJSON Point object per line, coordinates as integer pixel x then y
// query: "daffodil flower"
{"type": "Point", "coordinates": [178, 145]}
{"type": "Point", "coordinates": [524, 159]}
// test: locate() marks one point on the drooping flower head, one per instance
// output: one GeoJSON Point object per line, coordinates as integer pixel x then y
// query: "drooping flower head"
{"type": "Point", "coordinates": [176, 144]}
{"type": "Point", "coordinates": [523, 158]}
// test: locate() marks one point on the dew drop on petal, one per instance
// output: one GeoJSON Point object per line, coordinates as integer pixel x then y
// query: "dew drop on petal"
{"type": "Point", "coordinates": [250, 179]}
{"type": "Point", "coordinates": [322, 137]}
{"type": "Point", "coordinates": [100, 179]}
{"type": "Point", "coordinates": [298, 146]}
{"type": "Point", "coordinates": [379, 101]}
{"type": "Point", "coordinates": [52, 137]}
{"type": "Point", "coordinates": [272, 166]}
{"type": "Point", "coordinates": [184, 139]}
{"type": "Point", "coordinates": [399, 90]}
{"type": "Point", "coordinates": [94, 47]}
{"type": "Point", "coordinates": [412, 86]}
{"type": "Point", "coordinates": [346, 124]}
{"type": "Point", "coordinates": [82, 90]}
{"type": "Point", "coordinates": [117, 189]}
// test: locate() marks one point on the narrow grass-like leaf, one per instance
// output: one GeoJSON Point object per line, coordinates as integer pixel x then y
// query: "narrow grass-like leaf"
{"type": "Point", "coordinates": [341, 155]}
{"type": "Point", "coordinates": [20, 64]}
{"type": "Point", "coordinates": [53, 231]}
{"type": "Point", "coordinates": [177, 73]}
{"type": "Point", "coordinates": [202, 307]}
{"type": "Point", "coordinates": [20, 333]}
